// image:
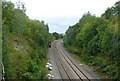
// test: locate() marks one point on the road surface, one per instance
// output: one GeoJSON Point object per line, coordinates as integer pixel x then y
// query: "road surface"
{"type": "Point", "coordinates": [65, 67]}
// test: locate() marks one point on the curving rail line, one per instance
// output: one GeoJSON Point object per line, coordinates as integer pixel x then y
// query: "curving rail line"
{"type": "Point", "coordinates": [67, 67]}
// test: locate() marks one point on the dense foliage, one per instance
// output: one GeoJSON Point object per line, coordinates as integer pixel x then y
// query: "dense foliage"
{"type": "Point", "coordinates": [24, 44]}
{"type": "Point", "coordinates": [57, 35]}
{"type": "Point", "coordinates": [96, 39]}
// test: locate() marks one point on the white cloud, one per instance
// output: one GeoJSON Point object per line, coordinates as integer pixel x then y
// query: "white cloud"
{"type": "Point", "coordinates": [47, 9]}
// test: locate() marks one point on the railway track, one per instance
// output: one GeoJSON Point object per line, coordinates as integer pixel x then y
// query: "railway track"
{"type": "Point", "coordinates": [67, 67]}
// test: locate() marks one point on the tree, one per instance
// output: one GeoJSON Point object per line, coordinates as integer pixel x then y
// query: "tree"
{"type": "Point", "coordinates": [96, 40]}
{"type": "Point", "coordinates": [56, 35]}
{"type": "Point", "coordinates": [30, 37]}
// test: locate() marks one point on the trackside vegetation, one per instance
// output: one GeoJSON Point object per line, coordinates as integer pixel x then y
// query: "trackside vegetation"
{"type": "Point", "coordinates": [24, 44]}
{"type": "Point", "coordinates": [96, 41]}
{"type": "Point", "coordinates": [57, 36]}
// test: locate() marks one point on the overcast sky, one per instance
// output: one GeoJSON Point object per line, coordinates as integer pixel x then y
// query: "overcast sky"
{"type": "Point", "coordinates": [60, 14]}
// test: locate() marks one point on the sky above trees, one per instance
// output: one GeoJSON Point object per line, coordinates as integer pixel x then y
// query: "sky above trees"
{"type": "Point", "coordinates": [60, 14]}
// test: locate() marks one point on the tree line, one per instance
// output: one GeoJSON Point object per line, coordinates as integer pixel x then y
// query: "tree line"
{"type": "Point", "coordinates": [57, 36]}
{"type": "Point", "coordinates": [96, 40]}
{"type": "Point", "coordinates": [24, 44]}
